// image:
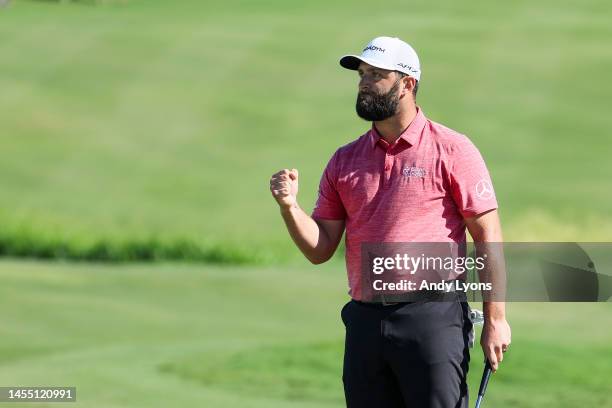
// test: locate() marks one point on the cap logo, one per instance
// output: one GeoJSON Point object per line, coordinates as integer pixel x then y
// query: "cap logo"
{"type": "Point", "coordinates": [408, 67]}
{"type": "Point", "coordinates": [373, 48]}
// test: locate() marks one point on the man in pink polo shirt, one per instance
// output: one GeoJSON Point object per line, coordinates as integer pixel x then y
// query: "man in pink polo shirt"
{"type": "Point", "coordinates": [407, 179]}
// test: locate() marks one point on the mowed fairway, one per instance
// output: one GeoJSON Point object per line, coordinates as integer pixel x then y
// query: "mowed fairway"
{"type": "Point", "coordinates": [132, 119]}
{"type": "Point", "coordinates": [177, 335]}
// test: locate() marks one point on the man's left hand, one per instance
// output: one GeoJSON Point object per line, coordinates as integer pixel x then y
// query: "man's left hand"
{"type": "Point", "coordinates": [495, 340]}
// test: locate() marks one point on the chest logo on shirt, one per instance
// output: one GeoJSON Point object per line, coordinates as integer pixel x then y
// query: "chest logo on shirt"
{"type": "Point", "coordinates": [484, 190]}
{"type": "Point", "coordinates": [414, 172]}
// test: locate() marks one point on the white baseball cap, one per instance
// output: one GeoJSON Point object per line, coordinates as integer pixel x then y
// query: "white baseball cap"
{"type": "Point", "coordinates": [387, 53]}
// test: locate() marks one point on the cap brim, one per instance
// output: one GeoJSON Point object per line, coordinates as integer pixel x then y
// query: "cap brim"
{"type": "Point", "coordinates": [352, 62]}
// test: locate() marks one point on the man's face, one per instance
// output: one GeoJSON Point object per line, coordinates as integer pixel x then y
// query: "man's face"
{"type": "Point", "coordinates": [378, 97]}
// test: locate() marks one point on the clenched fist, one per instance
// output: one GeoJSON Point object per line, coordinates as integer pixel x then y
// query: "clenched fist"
{"type": "Point", "coordinates": [284, 187]}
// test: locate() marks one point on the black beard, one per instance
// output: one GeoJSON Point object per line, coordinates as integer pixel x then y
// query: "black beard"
{"type": "Point", "coordinates": [376, 107]}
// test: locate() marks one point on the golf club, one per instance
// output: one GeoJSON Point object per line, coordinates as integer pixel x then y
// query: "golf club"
{"type": "Point", "coordinates": [486, 374]}
{"type": "Point", "coordinates": [477, 318]}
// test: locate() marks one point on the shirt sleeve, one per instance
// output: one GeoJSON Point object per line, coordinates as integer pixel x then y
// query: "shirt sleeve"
{"type": "Point", "coordinates": [329, 205]}
{"type": "Point", "coordinates": [470, 182]}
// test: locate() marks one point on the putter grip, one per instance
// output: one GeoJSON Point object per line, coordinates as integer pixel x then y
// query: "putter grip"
{"type": "Point", "coordinates": [486, 374]}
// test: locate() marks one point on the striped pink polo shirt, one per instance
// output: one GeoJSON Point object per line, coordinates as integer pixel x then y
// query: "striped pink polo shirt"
{"type": "Point", "coordinates": [417, 190]}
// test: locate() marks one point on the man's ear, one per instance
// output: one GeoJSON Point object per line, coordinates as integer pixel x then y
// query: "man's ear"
{"type": "Point", "coordinates": [410, 83]}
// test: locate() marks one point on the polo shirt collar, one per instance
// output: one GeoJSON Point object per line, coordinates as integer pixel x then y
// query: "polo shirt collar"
{"type": "Point", "coordinates": [410, 134]}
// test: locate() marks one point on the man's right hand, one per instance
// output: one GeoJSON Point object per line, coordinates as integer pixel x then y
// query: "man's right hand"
{"type": "Point", "coordinates": [284, 187]}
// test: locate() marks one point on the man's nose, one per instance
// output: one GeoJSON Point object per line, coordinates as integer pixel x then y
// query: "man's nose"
{"type": "Point", "coordinates": [364, 84]}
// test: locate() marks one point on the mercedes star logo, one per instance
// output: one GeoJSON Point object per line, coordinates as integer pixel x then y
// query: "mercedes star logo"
{"type": "Point", "coordinates": [484, 190]}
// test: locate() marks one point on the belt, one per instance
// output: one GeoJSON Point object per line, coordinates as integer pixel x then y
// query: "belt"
{"type": "Point", "coordinates": [416, 296]}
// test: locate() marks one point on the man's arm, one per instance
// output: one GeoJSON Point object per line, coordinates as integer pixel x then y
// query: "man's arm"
{"type": "Point", "coordinates": [495, 339]}
{"type": "Point", "coordinates": [317, 239]}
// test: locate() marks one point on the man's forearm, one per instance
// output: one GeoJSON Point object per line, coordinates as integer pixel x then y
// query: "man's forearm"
{"type": "Point", "coordinates": [496, 335]}
{"type": "Point", "coordinates": [494, 311]}
{"type": "Point", "coordinates": [307, 235]}
{"type": "Point", "coordinates": [494, 274]}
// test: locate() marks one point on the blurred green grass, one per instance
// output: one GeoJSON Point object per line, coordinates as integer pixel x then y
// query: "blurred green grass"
{"type": "Point", "coordinates": [130, 121]}
{"type": "Point", "coordinates": [223, 336]}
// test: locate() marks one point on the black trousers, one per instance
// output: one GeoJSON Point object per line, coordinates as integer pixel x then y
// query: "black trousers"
{"type": "Point", "coordinates": [412, 355]}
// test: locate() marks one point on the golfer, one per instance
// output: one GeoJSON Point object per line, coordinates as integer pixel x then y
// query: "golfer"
{"type": "Point", "coordinates": [407, 179]}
